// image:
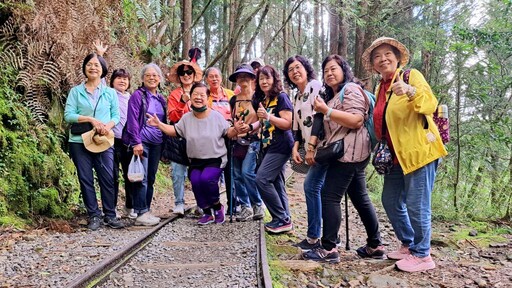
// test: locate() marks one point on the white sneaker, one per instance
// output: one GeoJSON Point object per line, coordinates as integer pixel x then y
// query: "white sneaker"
{"type": "Point", "coordinates": [179, 209]}
{"type": "Point", "coordinates": [147, 219]}
{"type": "Point", "coordinates": [129, 213]}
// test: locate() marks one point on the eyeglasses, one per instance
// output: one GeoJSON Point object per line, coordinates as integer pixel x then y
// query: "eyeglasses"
{"type": "Point", "coordinates": [188, 72]}
{"type": "Point", "coordinates": [291, 69]}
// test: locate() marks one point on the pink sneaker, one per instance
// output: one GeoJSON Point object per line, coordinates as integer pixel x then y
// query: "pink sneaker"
{"type": "Point", "coordinates": [400, 254]}
{"type": "Point", "coordinates": [415, 264]}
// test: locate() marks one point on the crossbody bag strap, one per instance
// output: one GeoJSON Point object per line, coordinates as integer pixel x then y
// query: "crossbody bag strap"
{"type": "Point", "coordinates": [384, 124]}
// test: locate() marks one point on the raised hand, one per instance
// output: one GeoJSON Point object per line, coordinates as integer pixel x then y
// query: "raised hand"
{"type": "Point", "coordinates": [262, 113]}
{"type": "Point", "coordinates": [400, 87]}
{"type": "Point", "coordinates": [100, 48]}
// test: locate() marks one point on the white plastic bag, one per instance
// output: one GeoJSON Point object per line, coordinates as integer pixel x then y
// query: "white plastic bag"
{"type": "Point", "coordinates": [135, 170]}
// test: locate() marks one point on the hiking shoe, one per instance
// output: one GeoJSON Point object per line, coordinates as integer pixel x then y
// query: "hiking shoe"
{"type": "Point", "coordinates": [245, 214]}
{"type": "Point", "coordinates": [113, 222]}
{"type": "Point", "coordinates": [129, 213]}
{"type": "Point", "coordinates": [305, 246]}
{"type": "Point", "coordinates": [400, 254]}
{"type": "Point", "coordinates": [415, 264]}
{"type": "Point", "coordinates": [206, 219]}
{"type": "Point", "coordinates": [147, 219]}
{"type": "Point", "coordinates": [258, 212]}
{"type": "Point", "coordinates": [219, 215]}
{"type": "Point", "coordinates": [179, 209]}
{"type": "Point", "coordinates": [94, 223]}
{"type": "Point", "coordinates": [321, 255]}
{"type": "Point", "coordinates": [369, 252]}
{"type": "Point", "coordinates": [279, 226]}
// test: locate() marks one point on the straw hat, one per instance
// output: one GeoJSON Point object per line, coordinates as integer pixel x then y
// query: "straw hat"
{"type": "Point", "coordinates": [98, 143]}
{"type": "Point", "coordinates": [404, 57]}
{"type": "Point", "coordinates": [173, 73]}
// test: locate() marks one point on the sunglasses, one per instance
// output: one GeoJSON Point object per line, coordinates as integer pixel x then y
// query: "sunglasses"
{"type": "Point", "coordinates": [188, 72]}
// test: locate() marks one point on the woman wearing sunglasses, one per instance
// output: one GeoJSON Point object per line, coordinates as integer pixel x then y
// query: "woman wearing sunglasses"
{"type": "Point", "coordinates": [183, 73]}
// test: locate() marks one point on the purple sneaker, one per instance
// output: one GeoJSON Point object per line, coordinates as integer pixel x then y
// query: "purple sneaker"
{"type": "Point", "coordinates": [206, 219]}
{"type": "Point", "coordinates": [219, 215]}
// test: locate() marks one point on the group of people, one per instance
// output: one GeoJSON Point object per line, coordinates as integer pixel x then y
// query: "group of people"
{"type": "Point", "coordinates": [250, 136]}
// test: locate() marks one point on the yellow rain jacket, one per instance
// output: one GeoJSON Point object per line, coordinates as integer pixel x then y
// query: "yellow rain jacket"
{"type": "Point", "coordinates": [414, 143]}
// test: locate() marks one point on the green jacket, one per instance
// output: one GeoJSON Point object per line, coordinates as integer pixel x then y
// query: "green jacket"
{"type": "Point", "coordinates": [79, 104]}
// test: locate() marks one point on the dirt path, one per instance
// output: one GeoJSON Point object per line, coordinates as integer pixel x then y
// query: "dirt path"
{"type": "Point", "coordinates": [459, 263]}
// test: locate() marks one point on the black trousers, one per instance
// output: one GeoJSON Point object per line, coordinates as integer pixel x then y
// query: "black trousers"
{"type": "Point", "coordinates": [347, 178]}
{"type": "Point", "coordinates": [123, 156]}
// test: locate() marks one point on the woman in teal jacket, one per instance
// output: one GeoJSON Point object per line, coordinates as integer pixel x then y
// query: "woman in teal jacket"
{"type": "Point", "coordinates": [94, 103]}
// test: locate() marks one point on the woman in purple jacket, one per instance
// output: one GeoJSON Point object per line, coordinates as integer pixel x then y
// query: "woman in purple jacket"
{"type": "Point", "coordinates": [145, 141]}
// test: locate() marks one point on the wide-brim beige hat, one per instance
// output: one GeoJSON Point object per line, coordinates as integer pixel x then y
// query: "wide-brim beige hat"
{"type": "Point", "coordinates": [404, 57]}
{"type": "Point", "coordinates": [173, 73]}
{"type": "Point", "coordinates": [97, 143]}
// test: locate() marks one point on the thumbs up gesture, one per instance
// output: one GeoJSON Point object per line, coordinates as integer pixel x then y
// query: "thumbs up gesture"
{"type": "Point", "coordinates": [262, 113]}
{"type": "Point", "coordinates": [401, 88]}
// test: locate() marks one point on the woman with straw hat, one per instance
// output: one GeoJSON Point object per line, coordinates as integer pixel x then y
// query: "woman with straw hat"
{"type": "Point", "coordinates": [405, 110]}
{"type": "Point", "coordinates": [94, 106]}
{"type": "Point", "coordinates": [183, 73]}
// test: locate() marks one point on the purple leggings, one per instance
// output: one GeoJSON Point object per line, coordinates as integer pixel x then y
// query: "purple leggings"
{"type": "Point", "coordinates": [205, 185]}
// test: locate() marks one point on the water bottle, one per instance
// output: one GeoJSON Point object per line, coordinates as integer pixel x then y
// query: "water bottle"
{"type": "Point", "coordinates": [442, 111]}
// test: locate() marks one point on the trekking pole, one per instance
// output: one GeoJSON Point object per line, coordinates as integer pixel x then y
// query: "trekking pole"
{"type": "Point", "coordinates": [232, 188]}
{"type": "Point", "coordinates": [347, 245]}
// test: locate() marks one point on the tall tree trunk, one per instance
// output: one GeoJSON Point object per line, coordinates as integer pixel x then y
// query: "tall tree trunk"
{"type": "Point", "coordinates": [360, 43]}
{"type": "Point", "coordinates": [286, 30]}
{"type": "Point", "coordinates": [185, 27]}
{"type": "Point", "coordinates": [316, 35]}
{"type": "Point", "coordinates": [457, 132]}
{"type": "Point", "coordinates": [334, 21]}
{"type": "Point", "coordinates": [343, 37]}
{"type": "Point", "coordinates": [256, 32]}
{"type": "Point", "coordinates": [207, 36]}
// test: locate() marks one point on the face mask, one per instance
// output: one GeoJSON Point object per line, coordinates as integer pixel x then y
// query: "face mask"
{"type": "Point", "coordinates": [200, 109]}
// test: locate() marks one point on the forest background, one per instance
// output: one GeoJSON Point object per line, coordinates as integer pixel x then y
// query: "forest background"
{"type": "Point", "coordinates": [464, 49]}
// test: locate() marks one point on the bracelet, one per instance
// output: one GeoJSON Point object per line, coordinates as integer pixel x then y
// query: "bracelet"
{"type": "Point", "coordinates": [411, 92]}
{"type": "Point", "coordinates": [312, 145]}
{"type": "Point", "coordinates": [328, 114]}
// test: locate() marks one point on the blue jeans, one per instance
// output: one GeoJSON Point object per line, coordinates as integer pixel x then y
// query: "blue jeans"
{"type": "Point", "coordinates": [407, 201]}
{"type": "Point", "coordinates": [103, 164]}
{"type": "Point", "coordinates": [144, 190]}
{"type": "Point", "coordinates": [244, 172]}
{"type": "Point", "coordinates": [178, 174]}
{"type": "Point", "coordinates": [312, 187]}
{"type": "Point", "coordinates": [270, 181]}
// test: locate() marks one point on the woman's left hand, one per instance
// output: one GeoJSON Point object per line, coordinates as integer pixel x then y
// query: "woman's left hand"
{"type": "Point", "coordinates": [320, 106]}
{"type": "Point", "coordinates": [400, 87]}
{"type": "Point", "coordinates": [153, 120]}
{"type": "Point", "coordinates": [310, 157]}
{"type": "Point", "coordinates": [262, 113]}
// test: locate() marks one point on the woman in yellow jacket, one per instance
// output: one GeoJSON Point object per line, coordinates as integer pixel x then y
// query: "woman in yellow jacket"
{"type": "Point", "coordinates": [416, 147]}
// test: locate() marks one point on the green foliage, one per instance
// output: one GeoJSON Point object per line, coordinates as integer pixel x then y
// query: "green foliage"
{"type": "Point", "coordinates": [486, 233]}
{"type": "Point", "coordinates": [37, 176]}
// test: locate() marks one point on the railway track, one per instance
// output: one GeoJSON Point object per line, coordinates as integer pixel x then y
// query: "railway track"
{"type": "Point", "coordinates": [230, 254]}
{"type": "Point", "coordinates": [180, 253]}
